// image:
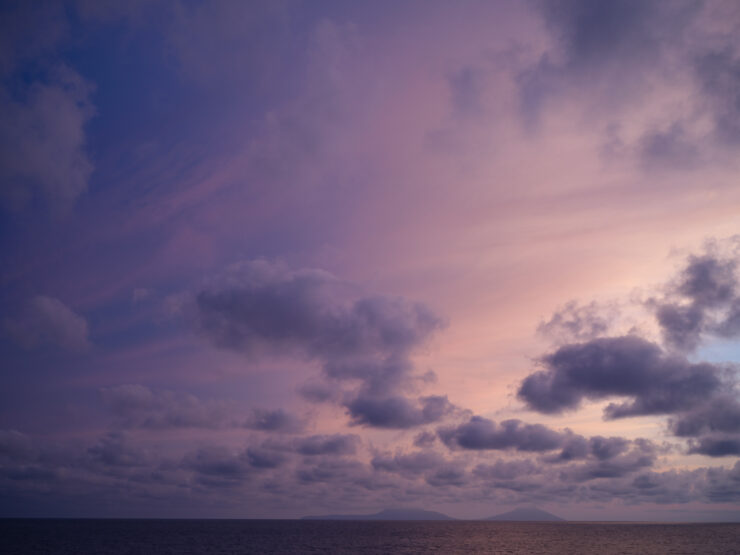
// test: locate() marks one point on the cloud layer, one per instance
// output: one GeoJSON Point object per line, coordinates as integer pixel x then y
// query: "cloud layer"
{"type": "Point", "coordinates": [700, 397]}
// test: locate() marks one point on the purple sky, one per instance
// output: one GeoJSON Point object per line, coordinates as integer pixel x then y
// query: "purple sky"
{"type": "Point", "coordinates": [269, 259]}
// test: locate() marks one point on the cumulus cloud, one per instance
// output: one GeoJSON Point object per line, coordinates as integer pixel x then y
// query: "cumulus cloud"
{"type": "Point", "coordinates": [115, 450]}
{"type": "Point", "coordinates": [363, 342]}
{"type": "Point", "coordinates": [703, 299]}
{"type": "Point", "coordinates": [481, 433]}
{"type": "Point", "coordinates": [264, 458]}
{"type": "Point", "coordinates": [612, 458]}
{"type": "Point", "coordinates": [46, 321]}
{"type": "Point", "coordinates": [397, 412]}
{"type": "Point", "coordinates": [576, 447]}
{"type": "Point", "coordinates": [265, 307]}
{"type": "Point", "coordinates": [699, 397]}
{"type": "Point", "coordinates": [119, 468]}
{"type": "Point", "coordinates": [434, 469]}
{"type": "Point", "coordinates": [721, 415]}
{"type": "Point", "coordinates": [629, 366]}
{"type": "Point", "coordinates": [337, 444]}
{"type": "Point", "coordinates": [276, 420]}
{"type": "Point", "coordinates": [716, 445]}
{"type": "Point", "coordinates": [218, 465]}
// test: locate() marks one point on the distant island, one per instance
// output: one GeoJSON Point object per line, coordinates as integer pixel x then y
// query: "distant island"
{"type": "Point", "coordinates": [387, 514]}
{"type": "Point", "coordinates": [527, 515]}
{"type": "Point", "coordinates": [517, 515]}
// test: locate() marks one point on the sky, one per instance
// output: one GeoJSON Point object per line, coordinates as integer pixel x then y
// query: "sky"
{"type": "Point", "coordinates": [274, 259]}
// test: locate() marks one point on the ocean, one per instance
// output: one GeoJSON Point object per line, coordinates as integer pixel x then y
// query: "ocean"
{"type": "Point", "coordinates": [119, 537]}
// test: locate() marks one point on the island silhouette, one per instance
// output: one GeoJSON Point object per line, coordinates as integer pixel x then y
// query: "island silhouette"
{"type": "Point", "coordinates": [522, 514]}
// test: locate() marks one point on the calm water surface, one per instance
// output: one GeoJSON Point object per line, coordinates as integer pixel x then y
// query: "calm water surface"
{"type": "Point", "coordinates": [114, 537]}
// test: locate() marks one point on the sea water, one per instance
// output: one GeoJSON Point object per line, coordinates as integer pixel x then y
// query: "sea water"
{"type": "Point", "coordinates": [118, 537]}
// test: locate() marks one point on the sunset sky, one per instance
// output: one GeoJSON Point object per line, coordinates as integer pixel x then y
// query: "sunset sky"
{"type": "Point", "coordinates": [272, 259]}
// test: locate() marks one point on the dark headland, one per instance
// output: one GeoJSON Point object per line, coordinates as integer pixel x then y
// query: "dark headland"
{"type": "Point", "coordinates": [527, 515]}
{"type": "Point", "coordinates": [387, 514]}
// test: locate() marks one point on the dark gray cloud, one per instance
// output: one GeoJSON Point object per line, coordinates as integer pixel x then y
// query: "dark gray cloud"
{"type": "Point", "coordinates": [377, 377]}
{"type": "Point", "coordinates": [612, 458]}
{"type": "Point", "coordinates": [264, 458]}
{"type": "Point", "coordinates": [362, 342]}
{"type": "Point", "coordinates": [716, 445]}
{"type": "Point", "coordinates": [430, 466]}
{"type": "Point", "coordinates": [682, 326]}
{"type": "Point", "coordinates": [702, 300]}
{"type": "Point", "coordinates": [721, 485]}
{"type": "Point", "coordinates": [481, 433]}
{"type": "Point", "coordinates": [574, 447]}
{"type": "Point", "coordinates": [277, 420]}
{"type": "Point", "coordinates": [700, 397]}
{"type": "Point", "coordinates": [729, 326]}
{"type": "Point", "coordinates": [450, 475]}
{"type": "Point", "coordinates": [262, 307]}
{"type": "Point", "coordinates": [722, 414]}
{"type": "Point", "coordinates": [593, 32]}
{"type": "Point", "coordinates": [220, 463]}
{"type": "Point", "coordinates": [599, 448]}
{"type": "Point", "coordinates": [115, 450]}
{"type": "Point", "coordinates": [603, 47]}
{"type": "Point", "coordinates": [604, 448]}
{"type": "Point", "coordinates": [46, 321]}
{"type": "Point", "coordinates": [119, 469]}
{"type": "Point", "coordinates": [337, 444]}
{"type": "Point", "coordinates": [629, 366]}
{"type": "Point", "coordinates": [397, 412]}
{"type": "Point", "coordinates": [220, 466]}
